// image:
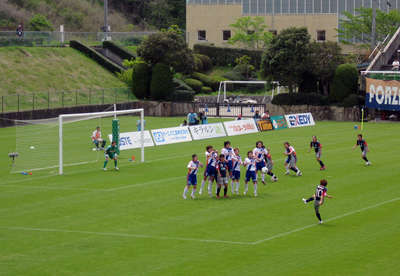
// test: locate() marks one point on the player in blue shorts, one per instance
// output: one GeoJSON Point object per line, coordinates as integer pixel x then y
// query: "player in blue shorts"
{"type": "Point", "coordinates": [227, 151]}
{"type": "Point", "coordinates": [250, 164]}
{"type": "Point", "coordinates": [209, 150]}
{"type": "Point", "coordinates": [193, 168]}
{"type": "Point", "coordinates": [237, 162]}
{"type": "Point", "coordinates": [212, 171]}
{"type": "Point", "coordinates": [259, 153]}
{"type": "Point", "coordinates": [222, 179]}
{"type": "Point", "coordinates": [364, 148]}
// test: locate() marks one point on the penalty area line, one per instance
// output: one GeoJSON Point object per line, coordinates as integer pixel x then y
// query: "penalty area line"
{"type": "Point", "coordinates": [328, 220]}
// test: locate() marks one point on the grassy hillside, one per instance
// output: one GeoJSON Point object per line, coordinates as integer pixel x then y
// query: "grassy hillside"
{"type": "Point", "coordinates": [24, 69]}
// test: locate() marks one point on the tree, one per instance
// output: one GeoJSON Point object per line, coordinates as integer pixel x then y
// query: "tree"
{"type": "Point", "coordinates": [324, 59]}
{"type": "Point", "coordinates": [168, 47]}
{"type": "Point", "coordinates": [249, 32]}
{"type": "Point", "coordinates": [39, 22]}
{"type": "Point", "coordinates": [141, 80]}
{"type": "Point", "coordinates": [162, 85]}
{"type": "Point", "coordinates": [356, 28]}
{"type": "Point", "coordinates": [345, 82]}
{"type": "Point", "coordinates": [287, 57]}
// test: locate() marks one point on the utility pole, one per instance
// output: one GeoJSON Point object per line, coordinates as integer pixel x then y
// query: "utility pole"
{"type": "Point", "coordinates": [373, 31]}
{"type": "Point", "coordinates": [105, 16]}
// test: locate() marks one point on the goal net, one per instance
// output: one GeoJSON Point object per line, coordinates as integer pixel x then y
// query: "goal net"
{"type": "Point", "coordinates": [65, 141]}
{"type": "Point", "coordinates": [262, 88]}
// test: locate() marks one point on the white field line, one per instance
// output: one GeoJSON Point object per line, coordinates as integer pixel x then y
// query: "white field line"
{"type": "Point", "coordinates": [56, 166]}
{"type": "Point", "coordinates": [127, 235]}
{"type": "Point", "coordinates": [331, 219]}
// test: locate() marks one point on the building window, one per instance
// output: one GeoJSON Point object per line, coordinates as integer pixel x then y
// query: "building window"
{"type": "Point", "coordinates": [201, 35]}
{"type": "Point", "coordinates": [321, 35]}
{"type": "Point", "coordinates": [274, 32]}
{"type": "Point", "coordinates": [226, 35]}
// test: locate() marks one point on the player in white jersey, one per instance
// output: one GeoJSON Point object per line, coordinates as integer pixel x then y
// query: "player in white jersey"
{"type": "Point", "coordinates": [259, 153]}
{"type": "Point", "coordinates": [291, 160]}
{"type": "Point", "coordinates": [193, 168]}
{"type": "Point", "coordinates": [212, 170]}
{"type": "Point", "coordinates": [208, 152]}
{"type": "Point", "coordinates": [237, 162]}
{"type": "Point", "coordinates": [227, 151]}
{"type": "Point", "coordinates": [250, 164]}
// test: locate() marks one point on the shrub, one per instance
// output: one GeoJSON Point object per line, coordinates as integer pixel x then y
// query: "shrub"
{"type": "Point", "coordinates": [353, 100]}
{"type": "Point", "coordinates": [234, 76]}
{"type": "Point", "coordinates": [247, 71]}
{"type": "Point", "coordinates": [181, 85]}
{"type": "Point", "coordinates": [345, 82]}
{"type": "Point", "coordinates": [141, 80]}
{"type": "Point", "coordinates": [198, 64]}
{"type": "Point", "coordinates": [206, 90]}
{"type": "Point", "coordinates": [225, 56]}
{"type": "Point", "coordinates": [182, 96]}
{"type": "Point", "coordinates": [39, 22]}
{"type": "Point", "coordinates": [196, 85]}
{"type": "Point", "coordinates": [300, 99]}
{"type": "Point", "coordinates": [206, 62]}
{"type": "Point", "coordinates": [207, 80]}
{"type": "Point", "coordinates": [162, 85]}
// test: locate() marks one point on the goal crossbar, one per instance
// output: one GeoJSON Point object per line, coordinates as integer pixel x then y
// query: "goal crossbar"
{"type": "Point", "coordinates": [95, 114]}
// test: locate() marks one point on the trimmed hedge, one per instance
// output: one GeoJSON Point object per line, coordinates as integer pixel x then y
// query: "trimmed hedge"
{"type": "Point", "coordinates": [345, 82]}
{"type": "Point", "coordinates": [234, 76]}
{"type": "Point", "coordinates": [182, 96]}
{"type": "Point", "coordinates": [141, 80]}
{"type": "Point", "coordinates": [121, 52]}
{"type": "Point", "coordinates": [181, 85]}
{"type": "Point", "coordinates": [161, 87]}
{"type": "Point", "coordinates": [300, 99]}
{"type": "Point", "coordinates": [206, 63]}
{"type": "Point", "coordinates": [207, 80]}
{"type": "Point", "coordinates": [206, 90]}
{"type": "Point", "coordinates": [106, 63]}
{"type": "Point", "coordinates": [353, 100]}
{"type": "Point", "coordinates": [225, 56]}
{"type": "Point", "coordinates": [196, 85]}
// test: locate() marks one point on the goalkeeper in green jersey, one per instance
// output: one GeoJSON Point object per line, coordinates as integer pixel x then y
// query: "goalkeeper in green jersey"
{"type": "Point", "coordinates": [111, 153]}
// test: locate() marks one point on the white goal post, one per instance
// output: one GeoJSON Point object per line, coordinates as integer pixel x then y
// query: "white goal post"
{"type": "Point", "coordinates": [94, 115]}
{"type": "Point", "coordinates": [222, 86]}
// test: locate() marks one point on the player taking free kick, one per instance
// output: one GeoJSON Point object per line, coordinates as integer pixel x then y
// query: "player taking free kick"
{"type": "Point", "coordinates": [318, 197]}
{"type": "Point", "coordinates": [111, 153]}
{"type": "Point", "coordinates": [193, 168]}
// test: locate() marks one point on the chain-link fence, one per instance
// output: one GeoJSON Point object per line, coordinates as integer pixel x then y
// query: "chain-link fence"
{"type": "Point", "coordinates": [62, 38]}
{"type": "Point", "coordinates": [57, 99]}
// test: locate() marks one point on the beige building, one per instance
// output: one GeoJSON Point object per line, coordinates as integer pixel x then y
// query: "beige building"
{"type": "Point", "coordinates": [209, 20]}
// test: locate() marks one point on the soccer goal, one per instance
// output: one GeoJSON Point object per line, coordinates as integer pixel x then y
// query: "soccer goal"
{"type": "Point", "coordinates": [66, 118]}
{"type": "Point", "coordinates": [56, 143]}
{"type": "Point", "coordinates": [223, 87]}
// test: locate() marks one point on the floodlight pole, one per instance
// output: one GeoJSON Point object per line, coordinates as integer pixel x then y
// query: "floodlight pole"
{"type": "Point", "coordinates": [105, 16]}
{"type": "Point", "coordinates": [373, 30]}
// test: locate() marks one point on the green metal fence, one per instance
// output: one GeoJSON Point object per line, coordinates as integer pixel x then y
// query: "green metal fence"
{"type": "Point", "coordinates": [58, 99]}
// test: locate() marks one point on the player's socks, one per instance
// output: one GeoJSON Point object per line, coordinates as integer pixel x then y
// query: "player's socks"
{"type": "Point", "coordinates": [116, 163]}
{"type": "Point", "coordinates": [105, 164]}
{"type": "Point", "coordinates": [193, 192]}
{"type": "Point", "coordinates": [321, 163]}
{"type": "Point", "coordinates": [263, 177]}
{"type": "Point", "coordinates": [246, 187]}
{"type": "Point", "coordinates": [366, 160]}
{"type": "Point", "coordinates": [185, 192]}
{"type": "Point", "coordinates": [202, 186]}
{"type": "Point", "coordinates": [209, 187]}
{"type": "Point", "coordinates": [232, 186]}
{"type": "Point", "coordinates": [218, 190]}
{"type": "Point", "coordinates": [318, 216]}
{"type": "Point", "coordinates": [310, 199]}
{"type": "Point", "coordinates": [225, 190]}
{"type": "Point", "coordinates": [294, 169]}
{"type": "Point", "coordinates": [237, 186]}
{"type": "Point", "coordinates": [255, 189]}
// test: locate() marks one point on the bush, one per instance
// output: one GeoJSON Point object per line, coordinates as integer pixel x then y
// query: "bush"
{"type": "Point", "coordinates": [300, 99]}
{"type": "Point", "coordinates": [141, 80]}
{"type": "Point", "coordinates": [181, 85]}
{"type": "Point", "coordinates": [206, 62]}
{"type": "Point", "coordinates": [247, 71]}
{"type": "Point", "coordinates": [39, 22]}
{"type": "Point", "coordinates": [182, 96]}
{"type": "Point", "coordinates": [198, 64]}
{"type": "Point", "coordinates": [353, 100]}
{"type": "Point", "coordinates": [109, 65]}
{"type": "Point", "coordinates": [121, 52]}
{"type": "Point", "coordinates": [207, 80]}
{"type": "Point", "coordinates": [162, 85]}
{"type": "Point", "coordinates": [225, 56]}
{"type": "Point", "coordinates": [234, 76]}
{"type": "Point", "coordinates": [206, 90]}
{"type": "Point", "coordinates": [196, 85]}
{"type": "Point", "coordinates": [345, 82]}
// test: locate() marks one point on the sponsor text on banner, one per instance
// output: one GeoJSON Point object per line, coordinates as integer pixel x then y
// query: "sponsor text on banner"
{"type": "Point", "coordinates": [383, 94]}
{"type": "Point", "coordinates": [279, 122]}
{"type": "Point", "coordinates": [264, 125]}
{"type": "Point", "coordinates": [300, 120]}
{"type": "Point", "coordinates": [240, 127]}
{"type": "Point", "coordinates": [131, 140]}
{"type": "Point", "coordinates": [171, 135]}
{"type": "Point", "coordinates": [207, 131]}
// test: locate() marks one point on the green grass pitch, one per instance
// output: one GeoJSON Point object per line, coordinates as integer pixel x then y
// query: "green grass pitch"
{"type": "Point", "coordinates": [135, 222]}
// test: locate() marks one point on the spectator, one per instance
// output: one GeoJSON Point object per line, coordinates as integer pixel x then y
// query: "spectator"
{"type": "Point", "coordinates": [257, 115]}
{"type": "Point", "coordinates": [20, 30]}
{"type": "Point", "coordinates": [97, 140]}
{"type": "Point", "coordinates": [138, 125]}
{"type": "Point", "coordinates": [184, 123]}
{"type": "Point", "coordinates": [396, 65]}
{"type": "Point", "coordinates": [192, 118]}
{"type": "Point", "coordinates": [203, 118]}
{"type": "Point", "coordinates": [239, 117]}
{"type": "Point", "coordinates": [265, 115]}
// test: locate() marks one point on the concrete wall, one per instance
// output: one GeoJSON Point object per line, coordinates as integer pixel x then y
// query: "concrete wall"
{"type": "Point", "coordinates": [216, 18]}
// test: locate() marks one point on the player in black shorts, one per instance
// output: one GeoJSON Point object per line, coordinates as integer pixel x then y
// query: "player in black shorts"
{"type": "Point", "coordinates": [318, 151]}
{"type": "Point", "coordinates": [318, 197]}
{"type": "Point", "coordinates": [364, 148]}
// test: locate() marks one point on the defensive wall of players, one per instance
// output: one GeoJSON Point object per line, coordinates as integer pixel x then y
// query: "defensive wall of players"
{"type": "Point", "coordinates": [164, 136]}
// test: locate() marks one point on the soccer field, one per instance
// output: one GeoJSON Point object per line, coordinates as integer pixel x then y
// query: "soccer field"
{"type": "Point", "coordinates": [135, 222]}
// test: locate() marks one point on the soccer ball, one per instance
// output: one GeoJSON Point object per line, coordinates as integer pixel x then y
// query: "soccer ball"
{"type": "Point", "coordinates": [264, 170]}
{"type": "Point", "coordinates": [32, 147]}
